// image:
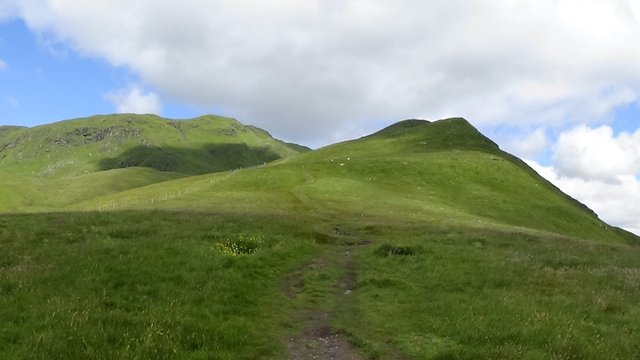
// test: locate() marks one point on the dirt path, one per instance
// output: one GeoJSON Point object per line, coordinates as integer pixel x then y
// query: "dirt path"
{"type": "Point", "coordinates": [318, 339]}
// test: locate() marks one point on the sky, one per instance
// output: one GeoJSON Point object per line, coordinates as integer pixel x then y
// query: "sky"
{"type": "Point", "coordinates": [556, 82]}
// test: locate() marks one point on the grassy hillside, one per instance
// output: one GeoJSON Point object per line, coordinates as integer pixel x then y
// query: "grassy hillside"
{"type": "Point", "coordinates": [413, 171]}
{"type": "Point", "coordinates": [421, 241]}
{"type": "Point", "coordinates": [82, 154]}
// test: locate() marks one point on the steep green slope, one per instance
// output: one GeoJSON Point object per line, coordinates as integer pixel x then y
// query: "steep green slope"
{"type": "Point", "coordinates": [449, 163]}
{"type": "Point", "coordinates": [65, 155]}
{"type": "Point", "coordinates": [413, 171]}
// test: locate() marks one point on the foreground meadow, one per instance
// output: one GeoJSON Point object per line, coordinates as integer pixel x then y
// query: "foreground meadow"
{"type": "Point", "coordinates": [202, 285]}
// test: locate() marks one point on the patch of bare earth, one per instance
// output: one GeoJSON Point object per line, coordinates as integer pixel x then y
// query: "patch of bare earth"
{"type": "Point", "coordinates": [318, 339]}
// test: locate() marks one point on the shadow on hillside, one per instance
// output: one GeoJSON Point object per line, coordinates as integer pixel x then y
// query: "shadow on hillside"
{"type": "Point", "coordinates": [210, 158]}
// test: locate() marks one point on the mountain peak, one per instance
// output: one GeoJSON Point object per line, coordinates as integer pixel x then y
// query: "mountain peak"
{"type": "Point", "coordinates": [401, 127]}
{"type": "Point", "coordinates": [445, 134]}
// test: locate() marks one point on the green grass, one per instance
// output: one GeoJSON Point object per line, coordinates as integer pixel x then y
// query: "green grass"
{"type": "Point", "coordinates": [468, 294]}
{"type": "Point", "coordinates": [144, 285]}
{"type": "Point", "coordinates": [24, 193]}
{"type": "Point", "coordinates": [164, 284]}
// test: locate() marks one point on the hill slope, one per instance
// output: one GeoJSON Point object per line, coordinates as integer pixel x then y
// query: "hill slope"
{"type": "Point", "coordinates": [413, 171]}
{"type": "Point", "coordinates": [55, 156]}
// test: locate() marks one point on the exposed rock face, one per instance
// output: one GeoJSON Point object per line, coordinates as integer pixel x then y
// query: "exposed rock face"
{"type": "Point", "coordinates": [87, 135]}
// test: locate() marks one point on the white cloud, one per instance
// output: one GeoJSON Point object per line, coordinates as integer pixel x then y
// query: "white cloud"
{"type": "Point", "coordinates": [132, 100]}
{"type": "Point", "coordinates": [615, 202]}
{"type": "Point", "coordinates": [304, 68]}
{"type": "Point", "coordinates": [600, 169]}
{"type": "Point", "coordinates": [7, 10]}
{"type": "Point", "coordinates": [528, 146]}
{"type": "Point", "coordinates": [590, 153]}
{"type": "Point", "coordinates": [3, 65]}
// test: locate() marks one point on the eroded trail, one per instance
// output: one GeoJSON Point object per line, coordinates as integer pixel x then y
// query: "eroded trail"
{"type": "Point", "coordinates": [321, 342]}
{"type": "Point", "coordinates": [321, 288]}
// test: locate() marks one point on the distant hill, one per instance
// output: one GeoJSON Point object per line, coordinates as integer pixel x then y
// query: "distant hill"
{"type": "Point", "coordinates": [38, 162]}
{"type": "Point", "coordinates": [98, 143]}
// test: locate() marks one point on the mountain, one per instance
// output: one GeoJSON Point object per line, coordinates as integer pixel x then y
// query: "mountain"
{"type": "Point", "coordinates": [441, 172]}
{"type": "Point", "coordinates": [50, 165]}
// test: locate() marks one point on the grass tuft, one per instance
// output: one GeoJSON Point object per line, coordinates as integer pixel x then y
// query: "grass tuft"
{"type": "Point", "coordinates": [387, 249]}
{"type": "Point", "coordinates": [243, 245]}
